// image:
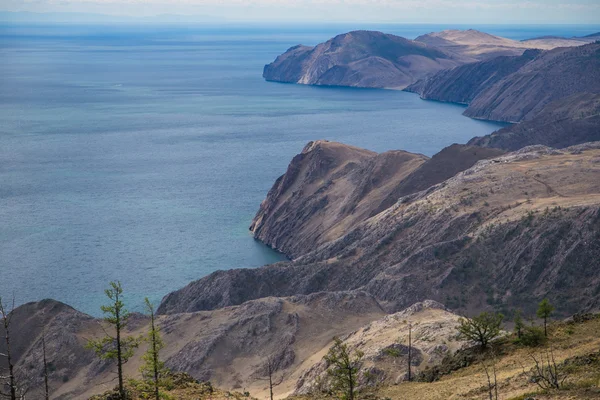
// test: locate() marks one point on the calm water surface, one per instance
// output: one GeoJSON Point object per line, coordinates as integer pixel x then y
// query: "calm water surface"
{"type": "Point", "coordinates": [142, 153]}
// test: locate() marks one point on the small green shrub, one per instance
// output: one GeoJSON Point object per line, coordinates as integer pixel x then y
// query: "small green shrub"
{"type": "Point", "coordinates": [532, 336]}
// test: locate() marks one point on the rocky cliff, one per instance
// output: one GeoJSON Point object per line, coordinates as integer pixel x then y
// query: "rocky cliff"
{"type": "Point", "coordinates": [505, 232]}
{"type": "Point", "coordinates": [327, 190]}
{"type": "Point", "coordinates": [360, 59]}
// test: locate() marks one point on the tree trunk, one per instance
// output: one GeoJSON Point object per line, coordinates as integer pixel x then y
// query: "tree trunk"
{"type": "Point", "coordinates": [47, 392]}
{"type": "Point", "coordinates": [11, 372]}
{"type": "Point", "coordinates": [119, 355]}
{"type": "Point", "coordinates": [155, 359]}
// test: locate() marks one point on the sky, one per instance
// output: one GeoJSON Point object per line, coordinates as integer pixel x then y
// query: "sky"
{"type": "Point", "coordinates": [394, 11]}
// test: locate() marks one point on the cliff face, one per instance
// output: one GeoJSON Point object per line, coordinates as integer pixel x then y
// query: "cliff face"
{"type": "Point", "coordinates": [326, 191]}
{"type": "Point", "coordinates": [360, 59]}
{"type": "Point", "coordinates": [562, 123]}
{"type": "Point", "coordinates": [505, 232]}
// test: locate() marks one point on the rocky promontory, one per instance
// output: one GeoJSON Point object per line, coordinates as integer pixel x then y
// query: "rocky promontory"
{"type": "Point", "coordinates": [360, 59]}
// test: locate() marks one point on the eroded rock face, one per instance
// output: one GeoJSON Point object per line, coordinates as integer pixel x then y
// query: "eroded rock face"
{"type": "Point", "coordinates": [507, 231]}
{"type": "Point", "coordinates": [360, 59]}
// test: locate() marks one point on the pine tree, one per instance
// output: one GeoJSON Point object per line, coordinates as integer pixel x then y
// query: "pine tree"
{"type": "Point", "coordinates": [115, 347]}
{"type": "Point", "coordinates": [519, 323]}
{"type": "Point", "coordinates": [343, 368]}
{"type": "Point", "coordinates": [544, 311]}
{"type": "Point", "coordinates": [153, 368]}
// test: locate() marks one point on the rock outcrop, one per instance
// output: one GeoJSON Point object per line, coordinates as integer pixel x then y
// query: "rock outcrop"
{"type": "Point", "coordinates": [505, 232]}
{"type": "Point", "coordinates": [360, 59]}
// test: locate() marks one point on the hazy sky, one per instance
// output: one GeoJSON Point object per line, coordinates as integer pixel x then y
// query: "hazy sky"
{"type": "Point", "coordinates": [434, 11]}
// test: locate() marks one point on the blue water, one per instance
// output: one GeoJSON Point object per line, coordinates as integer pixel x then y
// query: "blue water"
{"type": "Point", "coordinates": [141, 153]}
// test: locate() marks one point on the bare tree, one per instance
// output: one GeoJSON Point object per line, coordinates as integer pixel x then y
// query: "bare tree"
{"type": "Point", "coordinates": [6, 320]}
{"type": "Point", "coordinates": [546, 373]}
{"type": "Point", "coordinates": [270, 369]}
{"type": "Point", "coordinates": [492, 381]}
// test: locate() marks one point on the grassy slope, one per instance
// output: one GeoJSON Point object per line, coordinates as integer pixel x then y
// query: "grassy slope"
{"type": "Point", "coordinates": [579, 344]}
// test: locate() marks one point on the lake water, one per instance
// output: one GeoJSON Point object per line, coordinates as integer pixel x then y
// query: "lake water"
{"type": "Point", "coordinates": [141, 153]}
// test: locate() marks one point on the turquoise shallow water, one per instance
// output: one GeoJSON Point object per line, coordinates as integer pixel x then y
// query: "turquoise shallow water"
{"type": "Point", "coordinates": [142, 153]}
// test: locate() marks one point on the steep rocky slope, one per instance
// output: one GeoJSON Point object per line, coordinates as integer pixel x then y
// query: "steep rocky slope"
{"type": "Point", "coordinates": [462, 84]}
{"type": "Point", "coordinates": [328, 189]}
{"type": "Point", "coordinates": [551, 76]}
{"type": "Point", "coordinates": [505, 232]}
{"type": "Point", "coordinates": [360, 59]}
{"type": "Point", "coordinates": [562, 123]}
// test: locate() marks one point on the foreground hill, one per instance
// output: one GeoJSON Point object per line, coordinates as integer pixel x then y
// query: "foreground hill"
{"type": "Point", "coordinates": [505, 233]}
{"type": "Point", "coordinates": [360, 59]}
